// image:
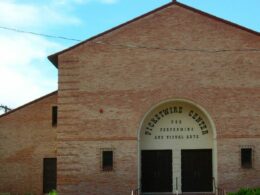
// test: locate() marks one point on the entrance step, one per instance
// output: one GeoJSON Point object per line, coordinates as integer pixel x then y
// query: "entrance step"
{"type": "Point", "coordinates": [190, 193]}
{"type": "Point", "coordinates": [198, 193]}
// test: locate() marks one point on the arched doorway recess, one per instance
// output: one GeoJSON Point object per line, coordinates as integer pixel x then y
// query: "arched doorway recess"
{"type": "Point", "coordinates": [177, 149]}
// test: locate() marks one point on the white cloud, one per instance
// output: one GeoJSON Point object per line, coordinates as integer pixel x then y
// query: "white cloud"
{"type": "Point", "coordinates": [51, 16]}
{"type": "Point", "coordinates": [25, 74]}
{"type": "Point", "coordinates": [21, 80]}
{"type": "Point", "coordinates": [18, 15]}
{"type": "Point", "coordinates": [68, 2]}
{"type": "Point", "coordinates": [18, 49]}
{"type": "Point", "coordinates": [31, 15]}
{"type": "Point", "coordinates": [23, 56]}
{"type": "Point", "coordinates": [20, 88]}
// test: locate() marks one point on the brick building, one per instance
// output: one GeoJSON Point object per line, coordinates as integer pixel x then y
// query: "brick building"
{"type": "Point", "coordinates": [166, 102]}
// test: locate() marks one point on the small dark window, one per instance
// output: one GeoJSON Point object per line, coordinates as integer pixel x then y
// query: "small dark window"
{"type": "Point", "coordinates": [54, 116]}
{"type": "Point", "coordinates": [107, 160]}
{"type": "Point", "coordinates": [246, 157]}
{"type": "Point", "coordinates": [49, 174]}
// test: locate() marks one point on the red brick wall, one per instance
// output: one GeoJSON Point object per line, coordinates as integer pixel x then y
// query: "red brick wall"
{"type": "Point", "coordinates": [26, 137]}
{"type": "Point", "coordinates": [231, 175]}
{"type": "Point", "coordinates": [126, 81]}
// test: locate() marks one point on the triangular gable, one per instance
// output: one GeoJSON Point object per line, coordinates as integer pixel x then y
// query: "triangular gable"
{"type": "Point", "coordinates": [54, 57]}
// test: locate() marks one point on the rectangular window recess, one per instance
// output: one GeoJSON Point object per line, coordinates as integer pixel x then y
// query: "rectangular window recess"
{"type": "Point", "coordinates": [54, 116]}
{"type": "Point", "coordinates": [246, 158]}
{"type": "Point", "coordinates": [107, 160]}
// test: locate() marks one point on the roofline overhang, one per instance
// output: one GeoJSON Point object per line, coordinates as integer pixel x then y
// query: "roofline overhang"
{"type": "Point", "coordinates": [29, 103]}
{"type": "Point", "coordinates": [54, 57]}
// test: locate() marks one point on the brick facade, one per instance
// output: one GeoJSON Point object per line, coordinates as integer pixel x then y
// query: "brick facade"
{"type": "Point", "coordinates": [128, 70]}
{"type": "Point", "coordinates": [108, 83]}
{"type": "Point", "coordinates": [26, 137]}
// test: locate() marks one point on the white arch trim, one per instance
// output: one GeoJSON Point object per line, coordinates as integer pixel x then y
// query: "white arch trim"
{"type": "Point", "coordinates": [198, 106]}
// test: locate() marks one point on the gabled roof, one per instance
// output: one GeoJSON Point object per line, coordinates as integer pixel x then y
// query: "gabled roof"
{"type": "Point", "coordinates": [30, 103]}
{"type": "Point", "coordinates": [54, 57]}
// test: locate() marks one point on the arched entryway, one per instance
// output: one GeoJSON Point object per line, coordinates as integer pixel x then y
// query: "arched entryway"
{"type": "Point", "coordinates": [177, 148]}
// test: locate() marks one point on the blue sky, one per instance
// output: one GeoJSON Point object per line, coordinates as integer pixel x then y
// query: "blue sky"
{"type": "Point", "coordinates": [26, 74]}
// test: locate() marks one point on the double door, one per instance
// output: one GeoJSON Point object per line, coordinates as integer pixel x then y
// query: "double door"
{"type": "Point", "coordinates": [157, 173]}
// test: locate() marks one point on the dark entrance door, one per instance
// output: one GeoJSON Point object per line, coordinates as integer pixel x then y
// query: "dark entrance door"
{"type": "Point", "coordinates": [196, 170]}
{"type": "Point", "coordinates": [156, 168]}
{"type": "Point", "coordinates": [49, 174]}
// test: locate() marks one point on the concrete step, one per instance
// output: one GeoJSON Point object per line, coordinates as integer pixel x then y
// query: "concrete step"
{"type": "Point", "coordinates": [187, 193]}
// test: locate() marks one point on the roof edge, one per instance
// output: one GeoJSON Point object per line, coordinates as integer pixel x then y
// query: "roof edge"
{"type": "Point", "coordinates": [54, 57]}
{"type": "Point", "coordinates": [218, 18]}
{"type": "Point", "coordinates": [29, 103]}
